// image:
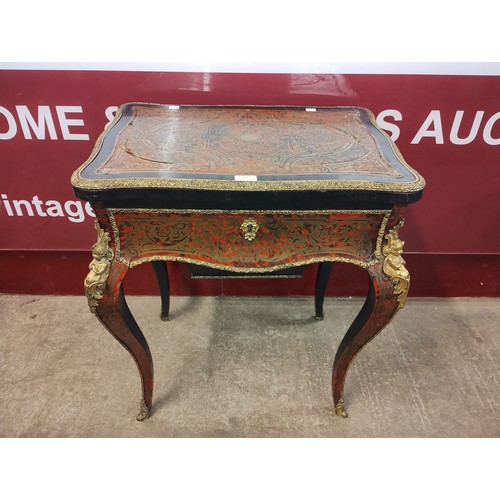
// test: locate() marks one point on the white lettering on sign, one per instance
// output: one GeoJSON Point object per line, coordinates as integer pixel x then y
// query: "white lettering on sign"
{"type": "Point", "coordinates": [473, 131]}
{"type": "Point", "coordinates": [73, 210]}
{"type": "Point", "coordinates": [11, 124]}
{"type": "Point", "coordinates": [432, 127]}
{"type": "Point", "coordinates": [66, 122]}
{"type": "Point", "coordinates": [110, 114]}
{"type": "Point", "coordinates": [44, 122]}
{"type": "Point", "coordinates": [487, 130]}
{"type": "Point", "coordinates": [41, 122]}
{"type": "Point", "coordinates": [388, 126]}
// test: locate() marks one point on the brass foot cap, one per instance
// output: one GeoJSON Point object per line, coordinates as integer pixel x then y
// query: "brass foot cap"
{"type": "Point", "coordinates": [340, 409]}
{"type": "Point", "coordinates": [163, 318]}
{"type": "Point", "coordinates": [319, 318]}
{"type": "Point", "coordinates": [144, 411]}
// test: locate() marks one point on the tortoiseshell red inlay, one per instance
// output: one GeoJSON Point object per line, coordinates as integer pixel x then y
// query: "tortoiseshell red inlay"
{"type": "Point", "coordinates": [234, 141]}
{"type": "Point", "coordinates": [282, 240]}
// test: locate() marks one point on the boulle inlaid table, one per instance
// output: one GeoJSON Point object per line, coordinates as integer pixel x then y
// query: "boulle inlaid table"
{"type": "Point", "coordinates": [246, 191]}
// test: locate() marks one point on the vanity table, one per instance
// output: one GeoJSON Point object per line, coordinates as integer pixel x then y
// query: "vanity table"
{"type": "Point", "coordinates": [246, 190]}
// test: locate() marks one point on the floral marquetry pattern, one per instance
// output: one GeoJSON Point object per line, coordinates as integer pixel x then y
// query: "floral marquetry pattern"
{"type": "Point", "coordinates": [217, 240]}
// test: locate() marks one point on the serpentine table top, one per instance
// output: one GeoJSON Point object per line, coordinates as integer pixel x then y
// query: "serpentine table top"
{"type": "Point", "coordinates": [275, 155]}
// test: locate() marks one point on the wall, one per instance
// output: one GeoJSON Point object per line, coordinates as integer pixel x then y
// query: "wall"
{"type": "Point", "coordinates": [446, 126]}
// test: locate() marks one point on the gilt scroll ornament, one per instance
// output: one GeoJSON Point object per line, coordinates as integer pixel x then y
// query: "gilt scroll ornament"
{"type": "Point", "coordinates": [394, 264]}
{"type": "Point", "coordinates": [98, 269]}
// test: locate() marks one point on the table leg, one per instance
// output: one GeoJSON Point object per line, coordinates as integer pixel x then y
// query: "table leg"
{"type": "Point", "coordinates": [113, 312]}
{"type": "Point", "coordinates": [324, 270]}
{"type": "Point", "coordinates": [386, 295]}
{"type": "Point", "coordinates": [160, 268]}
{"type": "Point", "coordinates": [388, 289]}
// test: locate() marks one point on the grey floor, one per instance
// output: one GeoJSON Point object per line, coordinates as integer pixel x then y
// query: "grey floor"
{"type": "Point", "coordinates": [249, 367]}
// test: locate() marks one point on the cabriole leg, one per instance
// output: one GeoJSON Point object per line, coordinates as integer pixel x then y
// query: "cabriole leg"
{"type": "Point", "coordinates": [103, 287]}
{"type": "Point", "coordinates": [324, 270]}
{"type": "Point", "coordinates": [114, 314]}
{"type": "Point", "coordinates": [389, 283]}
{"type": "Point", "coordinates": [160, 268]}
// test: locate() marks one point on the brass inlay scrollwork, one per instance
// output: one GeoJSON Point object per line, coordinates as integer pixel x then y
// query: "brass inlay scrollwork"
{"type": "Point", "coordinates": [292, 153]}
{"type": "Point", "coordinates": [98, 269]}
{"type": "Point", "coordinates": [250, 228]}
{"type": "Point", "coordinates": [215, 240]}
{"type": "Point", "coordinates": [394, 264]}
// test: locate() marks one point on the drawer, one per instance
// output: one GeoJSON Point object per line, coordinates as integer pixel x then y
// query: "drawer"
{"type": "Point", "coordinates": [247, 241]}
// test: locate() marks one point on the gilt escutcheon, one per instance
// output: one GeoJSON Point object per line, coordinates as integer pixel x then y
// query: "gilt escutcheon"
{"type": "Point", "coordinates": [250, 228]}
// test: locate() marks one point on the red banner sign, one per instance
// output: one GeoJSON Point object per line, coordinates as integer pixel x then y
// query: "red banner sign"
{"type": "Point", "coordinates": [447, 127]}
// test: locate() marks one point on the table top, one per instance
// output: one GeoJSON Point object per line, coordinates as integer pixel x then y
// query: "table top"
{"type": "Point", "coordinates": [151, 147]}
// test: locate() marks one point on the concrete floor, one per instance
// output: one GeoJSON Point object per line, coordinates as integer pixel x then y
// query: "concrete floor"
{"type": "Point", "coordinates": [249, 367]}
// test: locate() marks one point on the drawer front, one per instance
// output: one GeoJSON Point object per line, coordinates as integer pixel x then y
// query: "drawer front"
{"type": "Point", "coordinates": [247, 241]}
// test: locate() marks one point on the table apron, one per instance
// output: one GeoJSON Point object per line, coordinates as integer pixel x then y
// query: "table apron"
{"type": "Point", "coordinates": [248, 240]}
